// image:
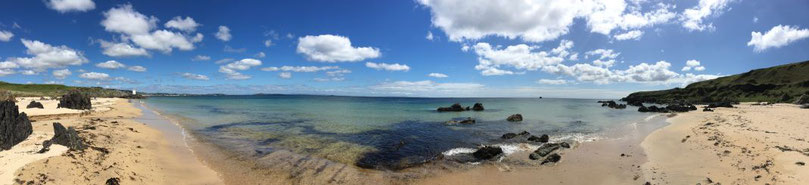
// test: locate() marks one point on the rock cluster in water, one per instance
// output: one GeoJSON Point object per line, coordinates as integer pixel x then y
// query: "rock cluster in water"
{"type": "Point", "coordinates": [468, 120]}
{"type": "Point", "coordinates": [75, 100]}
{"type": "Point", "coordinates": [458, 108]}
{"type": "Point", "coordinates": [14, 126]}
{"type": "Point", "coordinates": [514, 118]}
{"type": "Point", "coordinates": [34, 104]}
{"type": "Point", "coordinates": [612, 104]}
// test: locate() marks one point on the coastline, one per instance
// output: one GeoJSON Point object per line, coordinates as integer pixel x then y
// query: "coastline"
{"type": "Point", "coordinates": [120, 144]}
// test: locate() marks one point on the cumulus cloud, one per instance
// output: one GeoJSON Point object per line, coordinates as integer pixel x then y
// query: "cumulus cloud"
{"type": "Point", "coordinates": [633, 35]}
{"type": "Point", "coordinates": [137, 28]}
{"type": "Point", "coordinates": [63, 6]}
{"type": "Point", "coordinates": [121, 49]}
{"type": "Point", "coordinates": [5, 36]}
{"type": "Point", "coordinates": [387, 67]}
{"type": "Point", "coordinates": [188, 24]}
{"type": "Point", "coordinates": [491, 59]}
{"type": "Point", "coordinates": [268, 43]}
{"type": "Point", "coordinates": [111, 64]}
{"type": "Point", "coordinates": [260, 55]}
{"type": "Point", "coordinates": [693, 18]}
{"type": "Point", "coordinates": [223, 33]}
{"type": "Point", "coordinates": [437, 75]}
{"type": "Point", "coordinates": [94, 76]}
{"type": "Point", "coordinates": [61, 73]}
{"type": "Point", "coordinates": [201, 58]}
{"type": "Point", "coordinates": [413, 87]}
{"type": "Point", "coordinates": [285, 75]}
{"type": "Point", "coordinates": [777, 37]}
{"type": "Point", "coordinates": [693, 64]}
{"type": "Point", "coordinates": [300, 68]}
{"type": "Point", "coordinates": [136, 68]}
{"type": "Point", "coordinates": [552, 82]}
{"type": "Point", "coordinates": [231, 70]}
{"type": "Point", "coordinates": [333, 48]}
{"type": "Point", "coordinates": [193, 76]}
{"type": "Point", "coordinates": [537, 21]}
{"type": "Point", "coordinates": [429, 36]}
{"type": "Point", "coordinates": [46, 56]}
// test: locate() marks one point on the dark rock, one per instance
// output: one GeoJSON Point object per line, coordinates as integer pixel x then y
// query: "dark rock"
{"type": "Point", "coordinates": [14, 126]}
{"type": "Point", "coordinates": [454, 108]}
{"type": "Point", "coordinates": [612, 104]}
{"type": "Point", "coordinates": [66, 137]}
{"type": "Point", "coordinates": [113, 181]}
{"type": "Point", "coordinates": [553, 158]}
{"type": "Point", "coordinates": [508, 136]}
{"type": "Point", "coordinates": [804, 99]}
{"type": "Point", "coordinates": [682, 107]}
{"type": "Point", "coordinates": [706, 109]}
{"type": "Point", "coordinates": [564, 145]}
{"type": "Point", "coordinates": [514, 117]}
{"type": "Point", "coordinates": [721, 104]}
{"type": "Point", "coordinates": [653, 109]}
{"type": "Point", "coordinates": [487, 152]}
{"type": "Point", "coordinates": [546, 149]}
{"type": "Point", "coordinates": [468, 120]}
{"type": "Point", "coordinates": [542, 139]}
{"type": "Point", "coordinates": [477, 107]}
{"type": "Point", "coordinates": [34, 104]}
{"type": "Point", "coordinates": [799, 163]}
{"type": "Point", "coordinates": [635, 103]}
{"type": "Point", "coordinates": [75, 100]}
{"type": "Point", "coordinates": [524, 133]}
{"type": "Point", "coordinates": [805, 106]}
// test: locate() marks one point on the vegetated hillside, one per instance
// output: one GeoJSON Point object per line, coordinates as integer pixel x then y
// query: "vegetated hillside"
{"type": "Point", "coordinates": [784, 83]}
{"type": "Point", "coordinates": [57, 90]}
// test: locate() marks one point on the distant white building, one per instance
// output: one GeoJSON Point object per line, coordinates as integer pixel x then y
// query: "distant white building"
{"type": "Point", "coordinates": [134, 92]}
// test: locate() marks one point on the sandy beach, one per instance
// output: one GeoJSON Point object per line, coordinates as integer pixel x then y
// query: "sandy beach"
{"type": "Point", "coordinates": [119, 147]}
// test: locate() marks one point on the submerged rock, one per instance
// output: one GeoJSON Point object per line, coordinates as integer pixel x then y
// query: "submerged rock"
{"type": "Point", "coordinates": [508, 136]}
{"type": "Point", "coordinates": [524, 133]}
{"type": "Point", "coordinates": [468, 120]}
{"type": "Point", "coordinates": [542, 139]}
{"type": "Point", "coordinates": [487, 152]}
{"type": "Point", "coordinates": [477, 107]}
{"type": "Point", "coordinates": [612, 104]}
{"type": "Point", "coordinates": [514, 117]}
{"type": "Point", "coordinates": [14, 126]}
{"type": "Point", "coordinates": [75, 100]}
{"type": "Point", "coordinates": [453, 108]}
{"type": "Point", "coordinates": [34, 104]}
{"type": "Point", "coordinates": [66, 137]}
{"type": "Point", "coordinates": [553, 158]}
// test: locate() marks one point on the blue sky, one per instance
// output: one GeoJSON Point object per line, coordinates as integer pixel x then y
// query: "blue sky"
{"type": "Point", "coordinates": [574, 49]}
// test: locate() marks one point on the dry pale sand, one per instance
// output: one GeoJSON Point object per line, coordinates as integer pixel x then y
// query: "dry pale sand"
{"type": "Point", "coordinates": [750, 144]}
{"type": "Point", "coordinates": [119, 147]}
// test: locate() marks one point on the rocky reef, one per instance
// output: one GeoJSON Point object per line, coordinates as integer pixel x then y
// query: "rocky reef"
{"type": "Point", "coordinates": [75, 100]}
{"type": "Point", "coordinates": [14, 126]}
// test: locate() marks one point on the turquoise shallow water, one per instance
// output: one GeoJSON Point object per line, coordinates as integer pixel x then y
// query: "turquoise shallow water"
{"type": "Point", "coordinates": [381, 132]}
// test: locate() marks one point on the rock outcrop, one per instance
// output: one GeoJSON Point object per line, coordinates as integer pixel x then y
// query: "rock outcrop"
{"type": "Point", "coordinates": [454, 108]}
{"type": "Point", "coordinates": [514, 117]}
{"type": "Point", "coordinates": [721, 104]}
{"type": "Point", "coordinates": [612, 104]}
{"type": "Point", "coordinates": [477, 107]}
{"type": "Point", "coordinates": [487, 152]}
{"type": "Point", "coordinates": [34, 104]}
{"type": "Point", "coordinates": [804, 99]}
{"type": "Point", "coordinates": [544, 150]}
{"type": "Point", "coordinates": [681, 107]}
{"type": "Point", "coordinates": [14, 126]}
{"type": "Point", "coordinates": [652, 109]}
{"type": "Point", "coordinates": [542, 139]}
{"type": "Point", "coordinates": [66, 137]}
{"type": "Point", "coordinates": [553, 158]}
{"type": "Point", "coordinates": [75, 100]}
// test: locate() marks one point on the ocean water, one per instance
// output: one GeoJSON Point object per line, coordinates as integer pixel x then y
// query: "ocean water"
{"type": "Point", "coordinates": [382, 132]}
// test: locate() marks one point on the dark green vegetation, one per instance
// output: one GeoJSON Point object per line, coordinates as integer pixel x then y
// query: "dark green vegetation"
{"type": "Point", "coordinates": [55, 90]}
{"type": "Point", "coordinates": [784, 84]}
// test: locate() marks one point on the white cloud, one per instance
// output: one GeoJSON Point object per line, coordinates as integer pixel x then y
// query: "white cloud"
{"type": "Point", "coordinates": [233, 50]}
{"type": "Point", "coordinates": [437, 75]}
{"type": "Point", "coordinates": [519, 57]}
{"type": "Point", "coordinates": [231, 70]}
{"type": "Point", "coordinates": [7, 68]}
{"type": "Point", "coordinates": [260, 55]}
{"type": "Point", "coordinates": [387, 67]}
{"type": "Point", "coordinates": [693, 18]}
{"type": "Point", "coordinates": [137, 28]}
{"type": "Point", "coordinates": [63, 6]}
{"type": "Point", "coordinates": [755, 19]}
{"type": "Point", "coordinates": [285, 75]}
{"type": "Point", "coordinates": [413, 87]}
{"type": "Point", "coordinates": [121, 49]}
{"type": "Point", "coordinates": [5, 36]}
{"type": "Point", "coordinates": [634, 35]}
{"type": "Point", "coordinates": [165, 41]}
{"type": "Point", "coordinates": [61, 74]}
{"type": "Point", "coordinates": [201, 58]}
{"type": "Point", "coordinates": [268, 43]}
{"type": "Point", "coordinates": [333, 48]}
{"type": "Point", "coordinates": [693, 64]}
{"type": "Point", "coordinates": [552, 82]}
{"type": "Point", "coordinates": [300, 68]}
{"type": "Point", "coordinates": [777, 37]}
{"type": "Point", "coordinates": [537, 21]}
{"type": "Point", "coordinates": [224, 60]}
{"type": "Point", "coordinates": [94, 76]}
{"type": "Point", "coordinates": [29, 72]}
{"type": "Point", "coordinates": [124, 19]}
{"type": "Point", "coordinates": [603, 53]}
{"type": "Point", "coordinates": [188, 24]}
{"type": "Point", "coordinates": [337, 73]}
{"type": "Point", "coordinates": [111, 64]}
{"type": "Point", "coordinates": [47, 56]}
{"type": "Point", "coordinates": [224, 33]}
{"type": "Point", "coordinates": [193, 76]}
{"type": "Point", "coordinates": [136, 68]}
{"type": "Point", "coordinates": [429, 36]}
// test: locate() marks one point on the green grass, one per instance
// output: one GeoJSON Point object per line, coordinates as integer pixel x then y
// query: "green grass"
{"type": "Point", "coordinates": [33, 90]}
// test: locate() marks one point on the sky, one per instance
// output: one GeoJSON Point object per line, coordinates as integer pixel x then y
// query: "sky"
{"type": "Point", "coordinates": [423, 48]}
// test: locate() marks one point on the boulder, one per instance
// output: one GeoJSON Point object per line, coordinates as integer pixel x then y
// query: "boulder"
{"type": "Point", "coordinates": [542, 139]}
{"type": "Point", "coordinates": [681, 107]}
{"type": "Point", "coordinates": [453, 108]}
{"type": "Point", "coordinates": [477, 107]}
{"type": "Point", "coordinates": [487, 152]}
{"type": "Point", "coordinates": [113, 181]}
{"type": "Point", "coordinates": [66, 137]}
{"type": "Point", "coordinates": [720, 104]}
{"type": "Point", "coordinates": [508, 136]}
{"type": "Point", "coordinates": [34, 104]}
{"type": "Point", "coordinates": [612, 104]}
{"type": "Point", "coordinates": [553, 158]}
{"type": "Point", "coordinates": [635, 103]}
{"type": "Point", "coordinates": [706, 109]}
{"type": "Point", "coordinates": [468, 120]}
{"type": "Point", "coordinates": [652, 109]}
{"type": "Point", "coordinates": [514, 117]}
{"type": "Point", "coordinates": [547, 148]}
{"type": "Point", "coordinates": [524, 133]}
{"type": "Point", "coordinates": [14, 126]}
{"type": "Point", "coordinates": [804, 99]}
{"type": "Point", "coordinates": [75, 100]}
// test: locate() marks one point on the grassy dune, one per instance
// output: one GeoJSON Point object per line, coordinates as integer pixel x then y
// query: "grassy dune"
{"type": "Point", "coordinates": [57, 90]}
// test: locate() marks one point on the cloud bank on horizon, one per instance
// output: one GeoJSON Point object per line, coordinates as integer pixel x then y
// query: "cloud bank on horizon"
{"type": "Point", "coordinates": [551, 48]}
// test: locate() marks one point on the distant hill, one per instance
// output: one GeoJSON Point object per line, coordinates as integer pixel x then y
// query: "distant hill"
{"type": "Point", "coordinates": [784, 83]}
{"type": "Point", "coordinates": [57, 90]}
